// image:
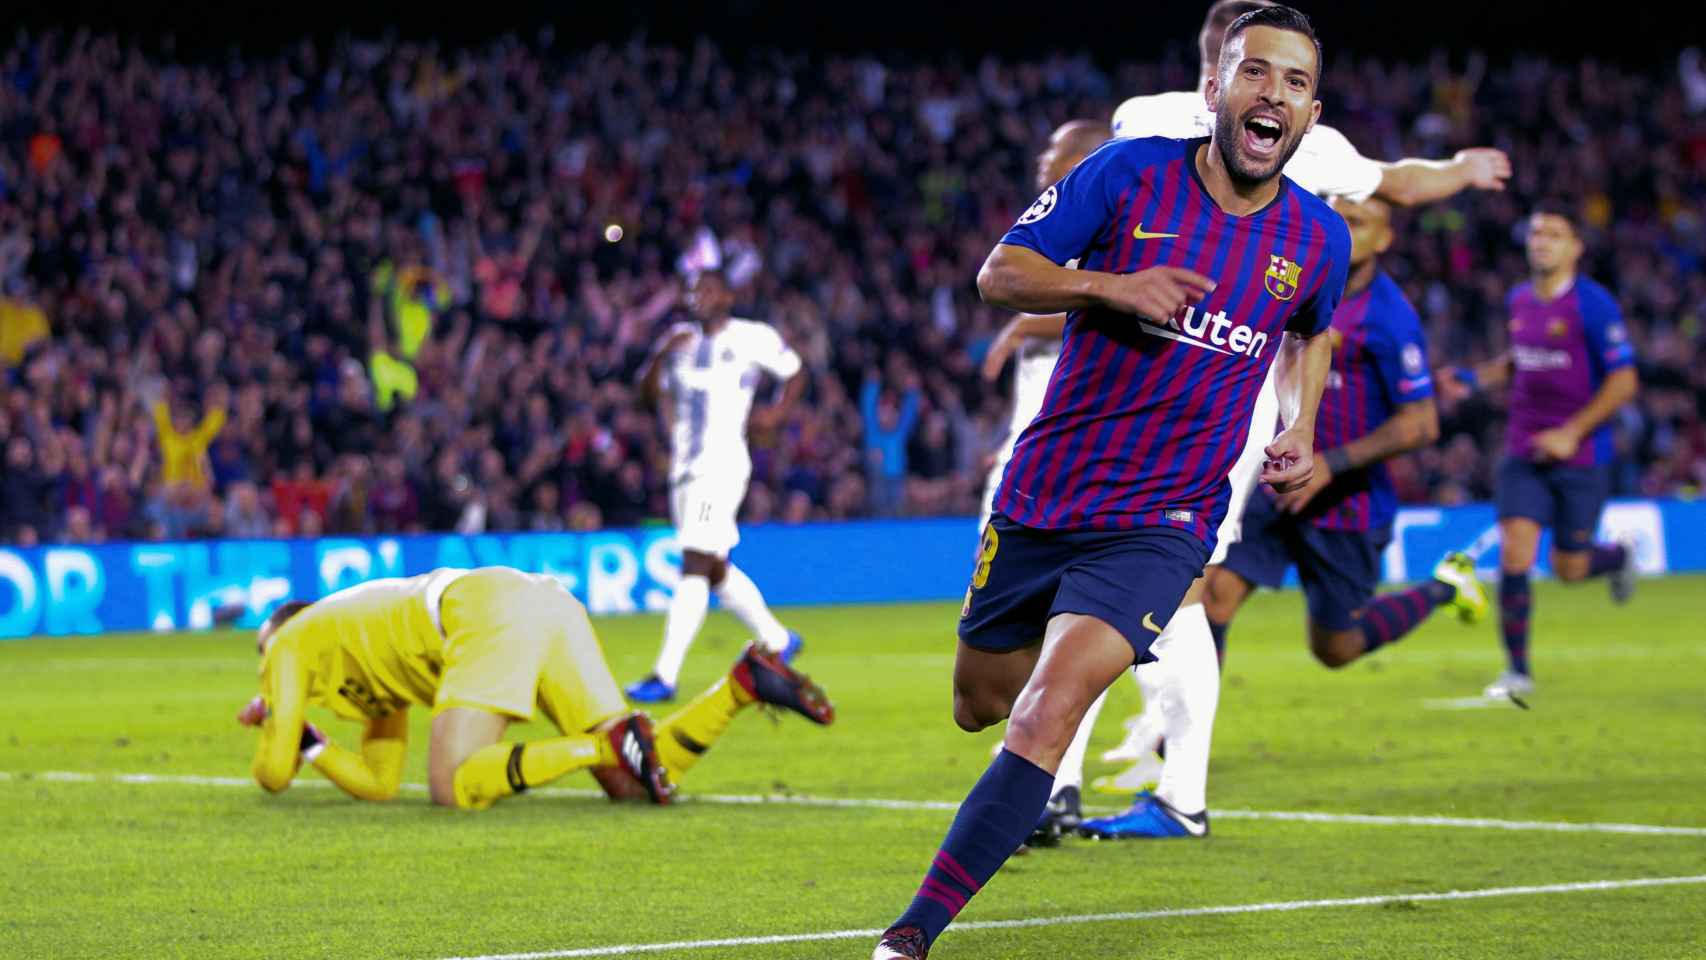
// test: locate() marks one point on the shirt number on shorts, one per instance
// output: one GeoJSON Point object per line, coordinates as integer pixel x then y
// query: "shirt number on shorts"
{"type": "Point", "coordinates": [985, 556]}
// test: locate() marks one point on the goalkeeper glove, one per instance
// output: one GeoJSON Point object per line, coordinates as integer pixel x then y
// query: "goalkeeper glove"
{"type": "Point", "coordinates": [313, 743]}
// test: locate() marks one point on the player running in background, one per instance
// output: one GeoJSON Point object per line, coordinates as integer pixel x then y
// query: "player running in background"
{"type": "Point", "coordinates": [710, 369]}
{"type": "Point", "coordinates": [482, 648]}
{"type": "Point", "coordinates": [1035, 340]}
{"type": "Point", "coordinates": [1201, 266]}
{"type": "Point", "coordinates": [1570, 368]}
{"type": "Point", "coordinates": [1181, 691]}
{"type": "Point", "coordinates": [1378, 404]}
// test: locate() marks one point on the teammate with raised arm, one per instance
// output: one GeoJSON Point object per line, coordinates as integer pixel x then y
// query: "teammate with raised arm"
{"type": "Point", "coordinates": [1201, 266]}
{"type": "Point", "coordinates": [710, 370]}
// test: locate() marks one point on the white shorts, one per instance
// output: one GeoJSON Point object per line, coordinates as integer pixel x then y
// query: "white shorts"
{"type": "Point", "coordinates": [704, 509]}
{"type": "Point", "coordinates": [994, 480]}
{"type": "Point", "coordinates": [1032, 370]}
{"type": "Point", "coordinates": [1264, 421]}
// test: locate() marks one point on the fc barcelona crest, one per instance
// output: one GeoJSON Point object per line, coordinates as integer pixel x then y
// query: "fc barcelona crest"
{"type": "Point", "coordinates": [1282, 277]}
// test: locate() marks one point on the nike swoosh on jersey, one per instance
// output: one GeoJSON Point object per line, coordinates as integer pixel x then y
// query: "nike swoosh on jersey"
{"type": "Point", "coordinates": [1141, 234]}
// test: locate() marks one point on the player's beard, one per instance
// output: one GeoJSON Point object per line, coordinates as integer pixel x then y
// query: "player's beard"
{"type": "Point", "coordinates": [1244, 171]}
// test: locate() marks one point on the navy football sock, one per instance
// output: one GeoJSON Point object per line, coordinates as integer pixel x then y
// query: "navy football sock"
{"type": "Point", "coordinates": [994, 820]}
{"type": "Point", "coordinates": [1386, 619]}
{"type": "Point", "coordinates": [1607, 557]}
{"type": "Point", "coordinates": [1515, 602]}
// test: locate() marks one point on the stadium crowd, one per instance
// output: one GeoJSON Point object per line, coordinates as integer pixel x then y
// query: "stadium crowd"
{"type": "Point", "coordinates": [387, 287]}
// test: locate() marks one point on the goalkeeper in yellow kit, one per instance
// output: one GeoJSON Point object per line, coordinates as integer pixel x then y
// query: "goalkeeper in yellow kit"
{"type": "Point", "coordinates": [481, 648]}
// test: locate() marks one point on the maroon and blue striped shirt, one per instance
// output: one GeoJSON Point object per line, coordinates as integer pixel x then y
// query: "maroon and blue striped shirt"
{"type": "Point", "coordinates": [1144, 417]}
{"type": "Point", "coordinates": [1562, 351]}
{"type": "Point", "coordinates": [1380, 361]}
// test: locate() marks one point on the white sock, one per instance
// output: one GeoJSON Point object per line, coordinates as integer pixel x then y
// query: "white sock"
{"type": "Point", "coordinates": [740, 595]}
{"type": "Point", "coordinates": [681, 625]}
{"type": "Point", "coordinates": [1071, 770]}
{"type": "Point", "coordinates": [1190, 696]}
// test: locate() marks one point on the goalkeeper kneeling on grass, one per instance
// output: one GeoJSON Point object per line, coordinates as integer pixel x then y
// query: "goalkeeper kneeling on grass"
{"type": "Point", "coordinates": [481, 648]}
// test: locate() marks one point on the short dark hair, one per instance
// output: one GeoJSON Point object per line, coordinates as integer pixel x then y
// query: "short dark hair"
{"type": "Point", "coordinates": [1554, 207]}
{"type": "Point", "coordinates": [1279, 17]}
{"type": "Point", "coordinates": [284, 612]}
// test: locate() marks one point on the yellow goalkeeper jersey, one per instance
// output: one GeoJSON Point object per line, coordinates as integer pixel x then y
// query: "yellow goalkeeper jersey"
{"type": "Point", "coordinates": [366, 651]}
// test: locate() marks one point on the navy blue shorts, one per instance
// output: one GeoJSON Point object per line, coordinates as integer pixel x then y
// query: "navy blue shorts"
{"type": "Point", "coordinates": [1567, 499]}
{"type": "Point", "coordinates": [1132, 579]}
{"type": "Point", "coordinates": [1339, 569]}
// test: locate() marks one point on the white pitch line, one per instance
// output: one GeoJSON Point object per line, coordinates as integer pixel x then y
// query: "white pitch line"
{"type": "Point", "coordinates": [877, 803]}
{"type": "Point", "coordinates": [1472, 823]}
{"type": "Point", "coordinates": [1283, 906]}
{"type": "Point", "coordinates": [1468, 703]}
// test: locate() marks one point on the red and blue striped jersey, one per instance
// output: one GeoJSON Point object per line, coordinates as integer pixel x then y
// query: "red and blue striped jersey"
{"type": "Point", "coordinates": [1145, 416]}
{"type": "Point", "coordinates": [1380, 361]}
{"type": "Point", "coordinates": [1562, 350]}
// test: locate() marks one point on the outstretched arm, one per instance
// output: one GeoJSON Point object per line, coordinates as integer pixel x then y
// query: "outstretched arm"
{"type": "Point", "coordinates": [1413, 425]}
{"type": "Point", "coordinates": [1456, 384]}
{"type": "Point", "coordinates": [1416, 181]}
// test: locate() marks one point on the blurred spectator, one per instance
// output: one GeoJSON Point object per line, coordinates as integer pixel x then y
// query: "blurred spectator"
{"type": "Point", "coordinates": [394, 506]}
{"type": "Point", "coordinates": [184, 441]}
{"type": "Point", "coordinates": [300, 500]}
{"type": "Point", "coordinates": [79, 527]}
{"type": "Point", "coordinates": [25, 494]}
{"type": "Point", "coordinates": [546, 515]}
{"type": "Point", "coordinates": [888, 424]}
{"type": "Point", "coordinates": [22, 324]}
{"type": "Point", "coordinates": [244, 518]}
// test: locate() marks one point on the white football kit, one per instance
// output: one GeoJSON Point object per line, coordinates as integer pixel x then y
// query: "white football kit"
{"type": "Point", "coordinates": [1032, 368]}
{"type": "Point", "coordinates": [711, 382]}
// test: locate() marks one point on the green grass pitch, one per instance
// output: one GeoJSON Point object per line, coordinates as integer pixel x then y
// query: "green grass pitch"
{"type": "Point", "coordinates": [96, 866]}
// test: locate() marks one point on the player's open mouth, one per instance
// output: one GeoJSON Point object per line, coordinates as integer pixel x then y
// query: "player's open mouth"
{"type": "Point", "coordinates": [1262, 135]}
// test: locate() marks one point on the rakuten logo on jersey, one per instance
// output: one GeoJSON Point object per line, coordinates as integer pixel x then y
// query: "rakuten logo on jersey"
{"type": "Point", "coordinates": [1209, 331]}
{"type": "Point", "coordinates": [1540, 359]}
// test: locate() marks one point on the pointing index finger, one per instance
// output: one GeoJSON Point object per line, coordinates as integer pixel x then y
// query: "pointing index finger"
{"type": "Point", "coordinates": [1191, 280]}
